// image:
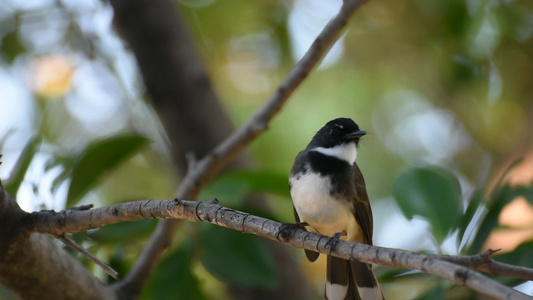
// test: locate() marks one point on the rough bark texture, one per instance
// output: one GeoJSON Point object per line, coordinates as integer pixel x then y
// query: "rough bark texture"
{"type": "Point", "coordinates": [189, 108]}
{"type": "Point", "coordinates": [35, 267]}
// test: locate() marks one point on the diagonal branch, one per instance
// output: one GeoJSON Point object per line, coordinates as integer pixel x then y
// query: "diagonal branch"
{"type": "Point", "coordinates": [212, 212]}
{"type": "Point", "coordinates": [72, 244]}
{"type": "Point", "coordinates": [212, 163]}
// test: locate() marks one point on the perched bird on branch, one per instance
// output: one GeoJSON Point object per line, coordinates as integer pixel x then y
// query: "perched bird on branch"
{"type": "Point", "coordinates": [329, 197]}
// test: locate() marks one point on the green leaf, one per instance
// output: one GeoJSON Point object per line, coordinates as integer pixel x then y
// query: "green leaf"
{"type": "Point", "coordinates": [173, 278]}
{"type": "Point", "coordinates": [22, 165]}
{"type": "Point", "coordinates": [228, 190]}
{"type": "Point", "coordinates": [124, 231]}
{"type": "Point", "coordinates": [526, 191]}
{"type": "Point", "coordinates": [238, 258]}
{"type": "Point", "coordinates": [473, 205]}
{"type": "Point", "coordinates": [231, 187]}
{"type": "Point", "coordinates": [11, 46]}
{"type": "Point", "coordinates": [430, 193]}
{"type": "Point", "coordinates": [436, 292]}
{"type": "Point", "coordinates": [263, 181]}
{"type": "Point", "coordinates": [97, 159]}
{"type": "Point", "coordinates": [118, 261]}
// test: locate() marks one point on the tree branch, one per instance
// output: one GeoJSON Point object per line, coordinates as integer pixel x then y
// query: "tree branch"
{"type": "Point", "coordinates": [213, 162]}
{"type": "Point", "coordinates": [484, 262]}
{"type": "Point", "coordinates": [212, 212]}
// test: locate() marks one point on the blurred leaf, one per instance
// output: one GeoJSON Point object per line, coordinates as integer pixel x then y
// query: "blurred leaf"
{"type": "Point", "coordinates": [391, 274]}
{"type": "Point", "coordinates": [231, 187]}
{"type": "Point", "coordinates": [432, 194]}
{"type": "Point", "coordinates": [59, 160]}
{"type": "Point", "coordinates": [238, 258]}
{"type": "Point", "coordinates": [66, 163]}
{"type": "Point", "coordinates": [124, 231]}
{"type": "Point", "coordinates": [501, 197]}
{"type": "Point", "coordinates": [22, 165]}
{"type": "Point", "coordinates": [64, 175]}
{"type": "Point", "coordinates": [173, 278]}
{"type": "Point", "coordinates": [473, 206]}
{"type": "Point", "coordinates": [97, 159]}
{"type": "Point", "coordinates": [456, 16]}
{"type": "Point", "coordinates": [228, 191]}
{"type": "Point", "coordinates": [118, 262]}
{"type": "Point", "coordinates": [526, 192]}
{"type": "Point", "coordinates": [490, 220]}
{"type": "Point", "coordinates": [11, 46]}
{"type": "Point", "coordinates": [236, 184]}
{"type": "Point", "coordinates": [263, 181]}
{"type": "Point", "coordinates": [436, 292]}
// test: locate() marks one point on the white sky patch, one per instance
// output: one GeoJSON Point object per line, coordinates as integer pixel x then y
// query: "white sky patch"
{"type": "Point", "coordinates": [306, 19]}
{"type": "Point", "coordinates": [411, 127]}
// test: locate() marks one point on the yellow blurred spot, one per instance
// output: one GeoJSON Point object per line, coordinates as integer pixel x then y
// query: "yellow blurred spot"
{"type": "Point", "coordinates": [517, 214]}
{"type": "Point", "coordinates": [508, 239]}
{"type": "Point", "coordinates": [51, 76]}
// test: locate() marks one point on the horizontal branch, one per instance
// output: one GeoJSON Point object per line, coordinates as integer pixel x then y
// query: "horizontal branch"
{"type": "Point", "coordinates": [212, 212]}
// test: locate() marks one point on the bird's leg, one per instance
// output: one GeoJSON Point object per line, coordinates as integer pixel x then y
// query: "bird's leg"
{"type": "Point", "coordinates": [287, 229]}
{"type": "Point", "coordinates": [332, 242]}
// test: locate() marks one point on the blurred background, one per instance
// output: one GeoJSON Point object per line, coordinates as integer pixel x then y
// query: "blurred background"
{"type": "Point", "coordinates": [444, 89]}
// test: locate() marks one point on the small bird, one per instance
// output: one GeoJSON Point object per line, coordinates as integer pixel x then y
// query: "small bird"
{"type": "Point", "coordinates": [329, 197]}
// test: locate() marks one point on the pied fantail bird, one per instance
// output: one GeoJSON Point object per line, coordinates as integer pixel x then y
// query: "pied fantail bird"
{"type": "Point", "coordinates": [329, 197]}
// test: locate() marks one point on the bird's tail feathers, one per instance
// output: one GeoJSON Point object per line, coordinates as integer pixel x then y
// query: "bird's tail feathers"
{"type": "Point", "coordinates": [351, 280]}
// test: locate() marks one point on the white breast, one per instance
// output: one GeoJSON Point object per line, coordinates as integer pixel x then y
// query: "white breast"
{"type": "Point", "coordinates": [326, 215]}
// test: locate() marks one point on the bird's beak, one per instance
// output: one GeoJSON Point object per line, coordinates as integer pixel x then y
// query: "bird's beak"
{"type": "Point", "coordinates": [356, 134]}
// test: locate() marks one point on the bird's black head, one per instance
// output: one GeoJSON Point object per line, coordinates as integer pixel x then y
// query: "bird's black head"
{"type": "Point", "coordinates": [337, 132]}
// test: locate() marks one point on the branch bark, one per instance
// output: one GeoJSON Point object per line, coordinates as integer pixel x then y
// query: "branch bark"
{"type": "Point", "coordinates": [212, 212]}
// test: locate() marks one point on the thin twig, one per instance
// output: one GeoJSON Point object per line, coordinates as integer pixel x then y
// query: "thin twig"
{"type": "Point", "coordinates": [89, 256]}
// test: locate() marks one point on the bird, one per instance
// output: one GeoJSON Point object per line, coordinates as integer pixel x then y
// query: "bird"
{"type": "Point", "coordinates": [329, 197]}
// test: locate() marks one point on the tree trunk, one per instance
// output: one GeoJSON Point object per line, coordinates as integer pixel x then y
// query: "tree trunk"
{"type": "Point", "coordinates": [35, 267]}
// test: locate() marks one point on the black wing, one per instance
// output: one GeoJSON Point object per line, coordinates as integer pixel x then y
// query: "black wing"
{"type": "Point", "coordinates": [363, 212]}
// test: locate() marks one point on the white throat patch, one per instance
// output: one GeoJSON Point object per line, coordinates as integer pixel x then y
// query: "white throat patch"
{"type": "Point", "coordinates": [346, 152]}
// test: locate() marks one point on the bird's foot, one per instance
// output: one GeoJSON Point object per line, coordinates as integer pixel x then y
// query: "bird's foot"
{"type": "Point", "coordinates": [332, 242]}
{"type": "Point", "coordinates": [287, 229]}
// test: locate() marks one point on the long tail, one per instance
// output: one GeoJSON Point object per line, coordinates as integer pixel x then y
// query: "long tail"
{"type": "Point", "coordinates": [351, 280]}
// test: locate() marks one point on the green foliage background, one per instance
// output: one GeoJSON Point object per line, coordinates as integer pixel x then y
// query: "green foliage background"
{"type": "Point", "coordinates": [410, 70]}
